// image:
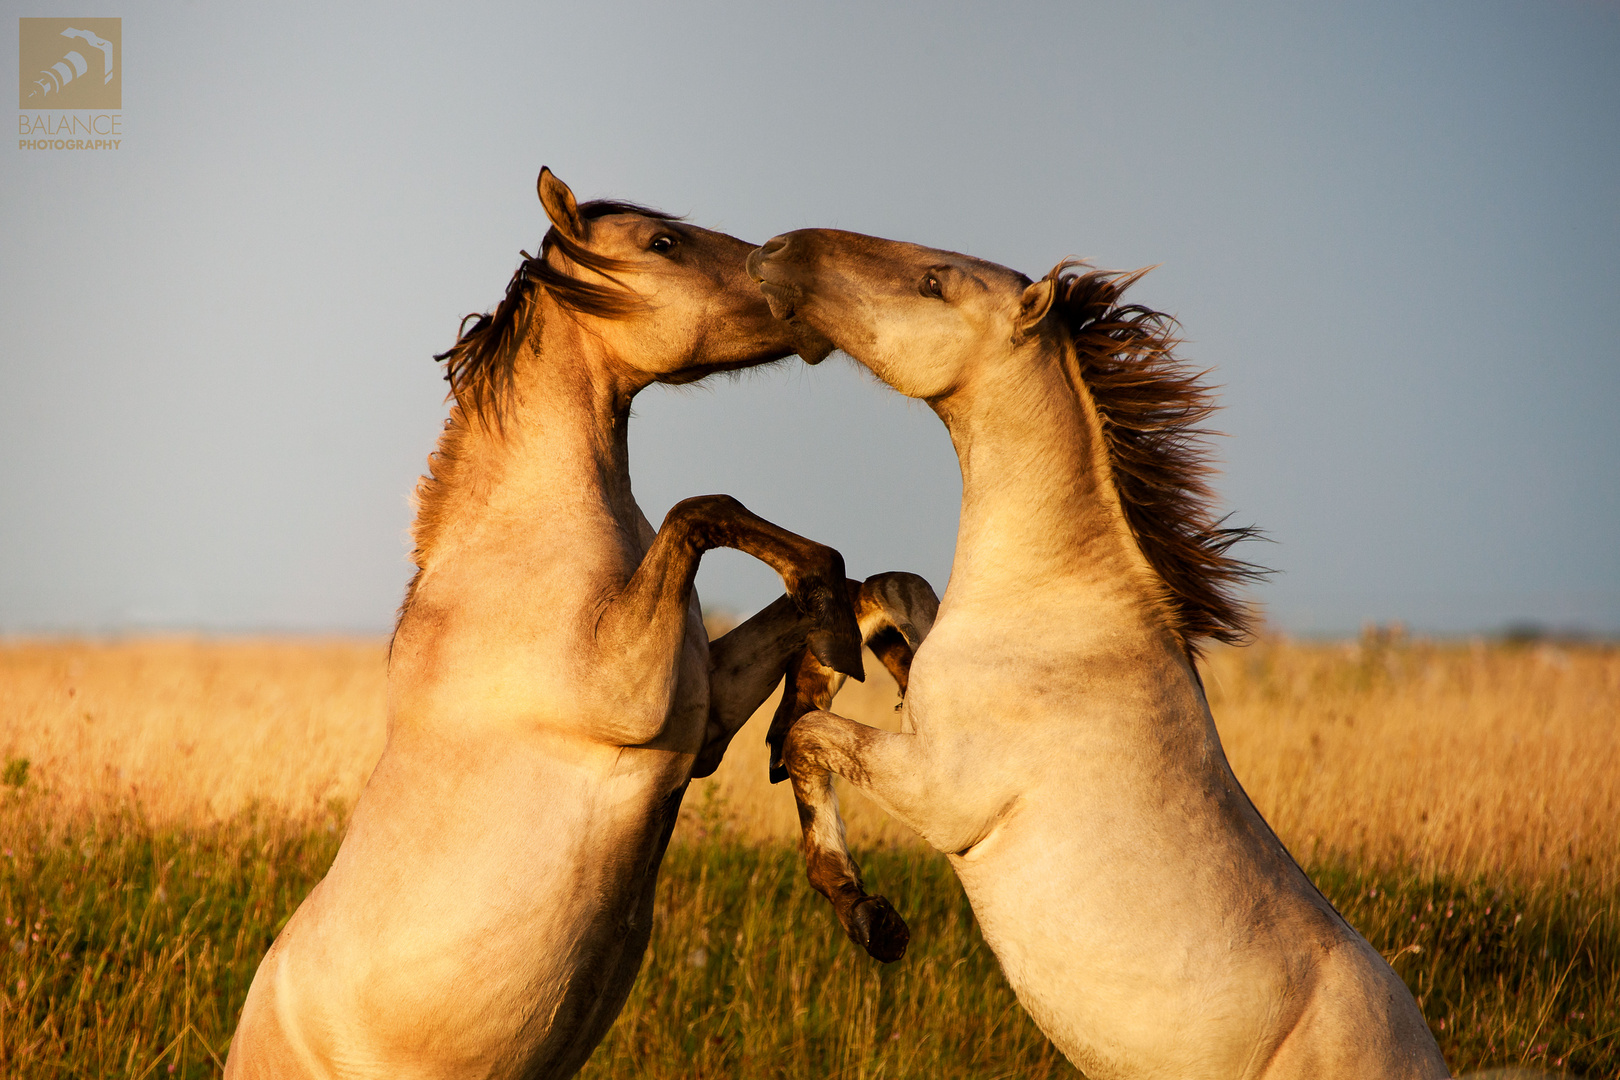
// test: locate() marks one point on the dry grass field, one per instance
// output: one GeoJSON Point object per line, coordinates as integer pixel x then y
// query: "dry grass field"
{"type": "Point", "coordinates": [193, 730]}
{"type": "Point", "coordinates": [167, 802]}
{"type": "Point", "coordinates": [1457, 758]}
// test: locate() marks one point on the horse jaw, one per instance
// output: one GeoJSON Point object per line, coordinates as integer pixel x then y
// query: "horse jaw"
{"type": "Point", "coordinates": [814, 347]}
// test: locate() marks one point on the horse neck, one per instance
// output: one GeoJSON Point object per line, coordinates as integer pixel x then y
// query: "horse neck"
{"type": "Point", "coordinates": [559, 452]}
{"type": "Point", "coordinates": [1041, 518]}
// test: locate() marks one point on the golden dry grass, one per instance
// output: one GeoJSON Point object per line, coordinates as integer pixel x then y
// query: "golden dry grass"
{"type": "Point", "coordinates": [1457, 758]}
{"type": "Point", "coordinates": [1457, 802]}
{"type": "Point", "coordinates": [194, 730]}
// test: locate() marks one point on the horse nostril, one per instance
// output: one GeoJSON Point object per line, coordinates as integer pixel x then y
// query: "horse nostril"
{"type": "Point", "coordinates": [757, 257]}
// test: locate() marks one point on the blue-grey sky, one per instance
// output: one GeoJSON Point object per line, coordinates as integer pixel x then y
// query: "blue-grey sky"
{"type": "Point", "coordinates": [1389, 228]}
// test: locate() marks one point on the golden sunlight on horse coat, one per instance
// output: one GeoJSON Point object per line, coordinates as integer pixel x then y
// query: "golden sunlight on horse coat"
{"type": "Point", "coordinates": [551, 689]}
{"type": "Point", "coordinates": [1057, 743]}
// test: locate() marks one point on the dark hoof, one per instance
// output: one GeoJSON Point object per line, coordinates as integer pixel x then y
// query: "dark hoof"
{"type": "Point", "coordinates": [836, 639]}
{"type": "Point", "coordinates": [875, 926]}
{"type": "Point", "coordinates": [839, 651]}
{"type": "Point", "coordinates": [779, 771]}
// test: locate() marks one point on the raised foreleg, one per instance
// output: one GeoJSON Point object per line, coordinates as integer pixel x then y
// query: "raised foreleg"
{"type": "Point", "coordinates": [745, 665]}
{"type": "Point", "coordinates": [639, 631]}
{"type": "Point", "coordinates": [895, 611]}
{"type": "Point", "coordinates": [881, 763]}
{"type": "Point", "coordinates": [809, 744]}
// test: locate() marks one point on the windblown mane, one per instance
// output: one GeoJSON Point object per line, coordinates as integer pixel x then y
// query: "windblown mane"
{"type": "Point", "coordinates": [1151, 404]}
{"type": "Point", "coordinates": [479, 365]}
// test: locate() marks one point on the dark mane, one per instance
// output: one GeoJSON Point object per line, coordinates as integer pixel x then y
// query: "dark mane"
{"type": "Point", "coordinates": [479, 365]}
{"type": "Point", "coordinates": [1151, 404]}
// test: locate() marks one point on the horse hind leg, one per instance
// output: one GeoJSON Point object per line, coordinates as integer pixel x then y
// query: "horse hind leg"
{"type": "Point", "coordinates": [1359, 1020]}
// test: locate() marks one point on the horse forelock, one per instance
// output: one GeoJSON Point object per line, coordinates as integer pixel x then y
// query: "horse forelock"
{"type": "Point", "coordinates": [1150, 404]}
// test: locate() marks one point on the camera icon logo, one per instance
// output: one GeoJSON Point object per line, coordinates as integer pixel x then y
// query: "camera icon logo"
{"type": "Point", "coordinates": [70, 64]}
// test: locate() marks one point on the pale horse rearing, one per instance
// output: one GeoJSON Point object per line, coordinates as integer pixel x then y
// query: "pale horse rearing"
{"type": "Point", "coordinates": [1056, 741]}
{"type": "Point", "coordinates": [551, 690]}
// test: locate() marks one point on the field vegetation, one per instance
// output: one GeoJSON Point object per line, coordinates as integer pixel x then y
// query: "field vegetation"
{"type": "Point", "coordinates": [166, 804]}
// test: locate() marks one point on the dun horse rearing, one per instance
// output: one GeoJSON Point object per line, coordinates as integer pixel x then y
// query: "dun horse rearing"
{"type": "Point", "coordinates": [551, 689]}
{"type": "Point", "coordinates": [1057, 743]}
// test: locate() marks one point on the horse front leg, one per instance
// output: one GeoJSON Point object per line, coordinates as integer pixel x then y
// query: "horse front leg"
{"type": "Point", "coordinates": [880, 763]}
{"type": "Point", "coordinates": [745, 665]}
{"type": "Point", "coordinates": [810, 744]}
{"type": "Point", "coordinates": [641, 628]}
{"type": "Point", "coordinates": [812, 573]}
{"type": "Point", "coordinates": [895, 611]}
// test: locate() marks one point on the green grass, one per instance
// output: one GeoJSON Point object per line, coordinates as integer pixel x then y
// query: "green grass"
{"type": "Point", "coordinates": [750, 976]}
{"type": "Point", "coordinates": [1505, 973]}
{"type": "Point", "coordinates": [128, 949]}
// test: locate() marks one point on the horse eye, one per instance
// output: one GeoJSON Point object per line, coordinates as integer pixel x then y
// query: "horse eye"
{"type": "Point", "coordinates": [932, 287]}
{"type": "Point", "coordinates": [663, 244]}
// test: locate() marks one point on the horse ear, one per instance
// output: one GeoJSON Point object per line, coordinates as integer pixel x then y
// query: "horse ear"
{"type": "Point", "coordinates": [1032, 308]}
{"type": "Point", "coordinates": [560, 205]}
